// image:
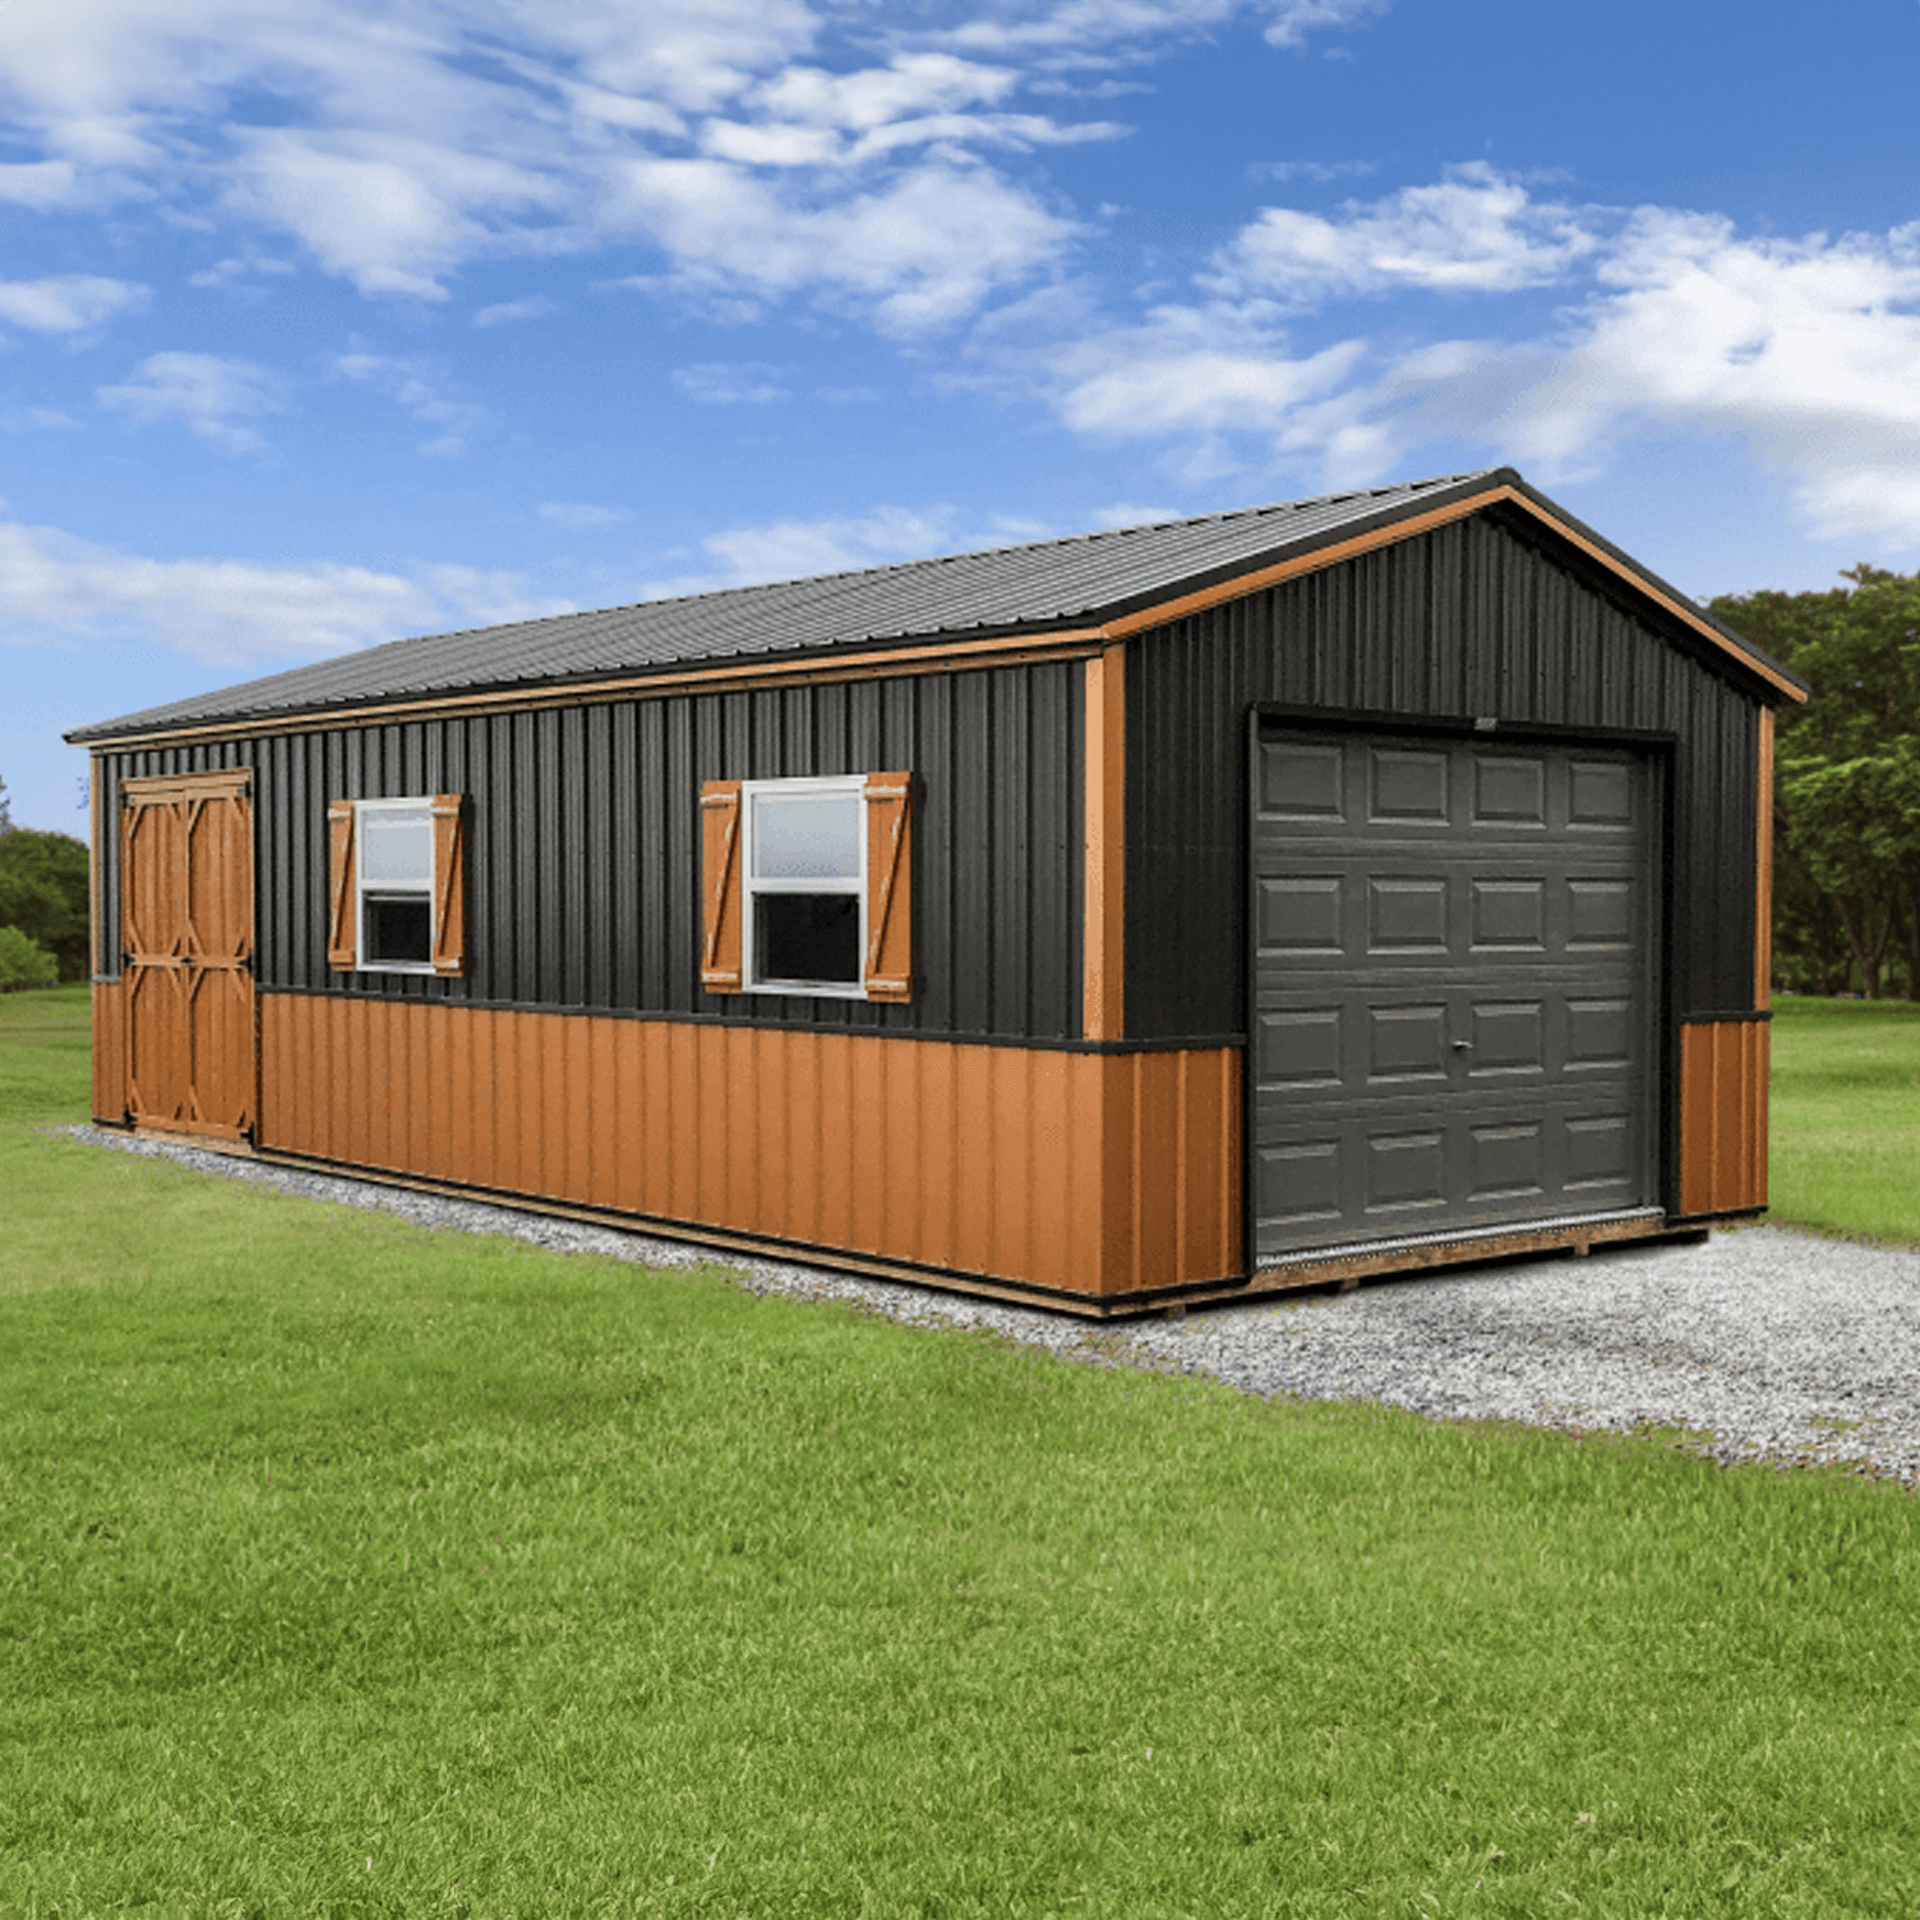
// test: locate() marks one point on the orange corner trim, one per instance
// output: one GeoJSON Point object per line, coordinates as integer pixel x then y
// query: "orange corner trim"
{"type": "Point", "coordinates": [1103, 991]}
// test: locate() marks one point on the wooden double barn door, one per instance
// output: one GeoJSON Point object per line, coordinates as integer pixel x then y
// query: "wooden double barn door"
{"type": "Point", "coordinates": [1456, 982]}
{"type": "Point", "coordinates": [186, 936]}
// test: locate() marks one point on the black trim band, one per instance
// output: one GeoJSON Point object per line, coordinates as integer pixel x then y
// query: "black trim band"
{"type": "Point", "coordinates": [1185, 1043]}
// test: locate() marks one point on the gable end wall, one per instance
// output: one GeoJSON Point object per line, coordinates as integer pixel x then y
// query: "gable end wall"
{"type": "Point", "coordinates": [1466, 621]}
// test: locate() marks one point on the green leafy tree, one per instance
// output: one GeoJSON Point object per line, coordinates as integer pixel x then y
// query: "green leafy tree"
{"type": "Point", "coordinates": [24, 963]}
{"type": "Point", "coordinates": [1810, 952]}
{"type": "Point", "coordinates": [6, 810]}
{"type": "Point", "coordinates": [1847, 787]}
{"type": "Point", "coordinates": [44, 893]}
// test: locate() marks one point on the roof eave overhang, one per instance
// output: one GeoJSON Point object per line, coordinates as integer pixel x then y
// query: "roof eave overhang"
{"type": "Point", "coordinates": [874, 659]}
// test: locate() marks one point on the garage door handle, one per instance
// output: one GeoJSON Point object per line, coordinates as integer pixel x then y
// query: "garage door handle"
{"type": "Point", "coordinates": [1463, 1046]}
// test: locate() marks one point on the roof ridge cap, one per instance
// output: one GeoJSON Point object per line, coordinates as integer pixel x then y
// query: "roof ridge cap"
{"type": "Point", "coordinates": [1301, 504]}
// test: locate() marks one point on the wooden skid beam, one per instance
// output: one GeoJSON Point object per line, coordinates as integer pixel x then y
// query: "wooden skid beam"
{"type": "Point", "coordinates": [1350, 1269]}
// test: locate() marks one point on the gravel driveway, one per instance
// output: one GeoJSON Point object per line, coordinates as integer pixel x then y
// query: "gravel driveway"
{"type": "Point", "coordinates": [1761, 1343]}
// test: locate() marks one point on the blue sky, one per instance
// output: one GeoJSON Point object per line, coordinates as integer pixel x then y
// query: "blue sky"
{"type": "Point", "coordinates": [327, 324]}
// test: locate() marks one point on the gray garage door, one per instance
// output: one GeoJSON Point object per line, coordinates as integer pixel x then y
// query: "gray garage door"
{"type": "Point", "coordinates": [1454, 986]}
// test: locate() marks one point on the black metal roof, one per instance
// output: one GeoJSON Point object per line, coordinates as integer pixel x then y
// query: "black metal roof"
{"type": "Point", "coordinates": [1004, 591]}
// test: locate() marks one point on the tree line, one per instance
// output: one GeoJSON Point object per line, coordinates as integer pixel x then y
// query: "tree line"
{"type": "Point", "coordinates": [44, 905]}
{"type": "Point", "coordinates": [1846, 807]}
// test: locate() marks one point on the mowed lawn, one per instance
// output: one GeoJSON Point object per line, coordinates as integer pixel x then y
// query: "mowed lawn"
{"type": "Point", "coordinates": [350, 1569]}
{"type": "Point", "coordinates": [1846, 1117]}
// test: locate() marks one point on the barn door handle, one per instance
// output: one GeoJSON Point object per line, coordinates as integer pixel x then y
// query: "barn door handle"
{"type": "Point", "coordinates": [1463, 1046]}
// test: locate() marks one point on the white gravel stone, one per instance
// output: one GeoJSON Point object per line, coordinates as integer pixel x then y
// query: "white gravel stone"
{"type": "Point", "coordinates": [1759, 1344]}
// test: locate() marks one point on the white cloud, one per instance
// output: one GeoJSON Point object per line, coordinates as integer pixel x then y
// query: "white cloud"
{"type": "Point", "coordinates": [1184, 371]}
{"type": "Point", "coordinates": [392, 214]}
{"type": "Point", "coordinates": [1052, 85]}
{"type": "Point", "coordinates": [535, 307]}
{"type": "Point", "coordinates": [233, 614]}
{"type": "Point", "coordinates": [36, 420]}
{"type": "Point", "coordinates": [813, 118]}
{"type": "Point", "coordinates": [40, 184]}
{"type": "Point", "coordinates": [719, 383]}
{"type": "Point", "coordinates": [1807, 350]}
{"type": "Point", "coordinates": [1071, 31]}
{"type": "Point", "coordinates": [406, 141]}
{"type": "Point", "coordinates": [66, 303]}
{"type": "Point", "coordinates": [688, 54]}
{"type": "Point", "coordinates": [577, 517]}
{"type": "Point", "coordinates": [1294, 20]}
{"type": "Point", "coordinates": [403, 140]}
{"type": "Point", "coordinates": [109, 82]}
{"type": "Point", "coordinates": [798, 549]}
{"type": "Point", "coordinates": [411, 385]}
{"type": "Point", "coordinates": [483, 597]}
{"type": "Point", "coordinates": [790, 146]}
{"type": "Point", "coordinates": [774, 146]}
{"type": "Point", "coordinates": [1013, 132]}
{"type": "Point", "coordinates": [921, 252]}
{"type": "Point", "coordinates": [234, 270]}
{"type": "Point", "coordinates": [1804, 351]}
{"type": "Point", "coordinates": [1475, 231]}
{"type": "Point", "coordinates": [217, 399]}
{"type": "Point", "coordinates": [911, 85]}
{"type": "Point", "coordinates": [1124, 513]}
{"type": "Point", "coordinates": [399, 143]}
{"type": "Point", "coordinates": [1204, 389]}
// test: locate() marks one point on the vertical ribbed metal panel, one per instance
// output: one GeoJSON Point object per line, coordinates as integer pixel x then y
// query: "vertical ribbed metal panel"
{"type": "Point", "coordinates": [972, 853]}
{"type": "Point", "coordinates": [109, 769]}
{"type": "Point", "coordinates": [625, 873]}
{"type": "Point", "coordinates": [1465, 622]}
{"type": "Point", "coordinates": [670, 785]}
{"type": "Point", "coordinates": [1723, 1116]}
{"type": "Point", "coordinates": [932, 722]}
{"type": "Point", "coordinates": [1008, 902]}
{"type": "Point", "coordinates": [594, 878]}
{"type": "Point", "coordinates": [583, 881]}
{"type": "Point", "coordinates": [1085, 1173]}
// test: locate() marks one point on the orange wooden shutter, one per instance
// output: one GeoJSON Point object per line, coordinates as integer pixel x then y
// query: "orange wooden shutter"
{"type": "Point", "coordinates": [342, 919]}
{"type": "Point", "coordinates": [449, 885]}
{"type": "Point", "coordinates": [889, 969]}
{"type": "Point", "coordinates": [720, 885]}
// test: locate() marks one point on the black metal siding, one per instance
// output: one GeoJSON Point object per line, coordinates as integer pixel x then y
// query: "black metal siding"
{"type": "Point", "coordinates": [1468, 621]}
{"type": "Point", "coordinates": [583, 882]}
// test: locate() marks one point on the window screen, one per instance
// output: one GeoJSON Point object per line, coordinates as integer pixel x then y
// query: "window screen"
{"type": "Point", "coordinates": [395, 871]}
{"type": "Point", "coordinates": [806, 876]}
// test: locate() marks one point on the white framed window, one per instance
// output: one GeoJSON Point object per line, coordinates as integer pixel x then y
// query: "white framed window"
{"type": "Point", "coordinates": [804, 886]}
{"type": "Point", "coordinates": [394, 871]}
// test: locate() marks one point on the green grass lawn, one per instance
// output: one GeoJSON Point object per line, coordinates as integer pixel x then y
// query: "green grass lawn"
{"type": "Point", "coordinates": [351, 1569]}
{"type": "Point", "coordinates": [1846, 1117]}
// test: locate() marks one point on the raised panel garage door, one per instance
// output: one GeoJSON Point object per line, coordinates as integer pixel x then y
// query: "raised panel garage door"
{"type": "Point", "coordinates": [1454, 987]}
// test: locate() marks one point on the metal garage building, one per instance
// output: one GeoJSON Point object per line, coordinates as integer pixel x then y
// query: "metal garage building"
{"type": "Point", "coordinates": [1234, 903]}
